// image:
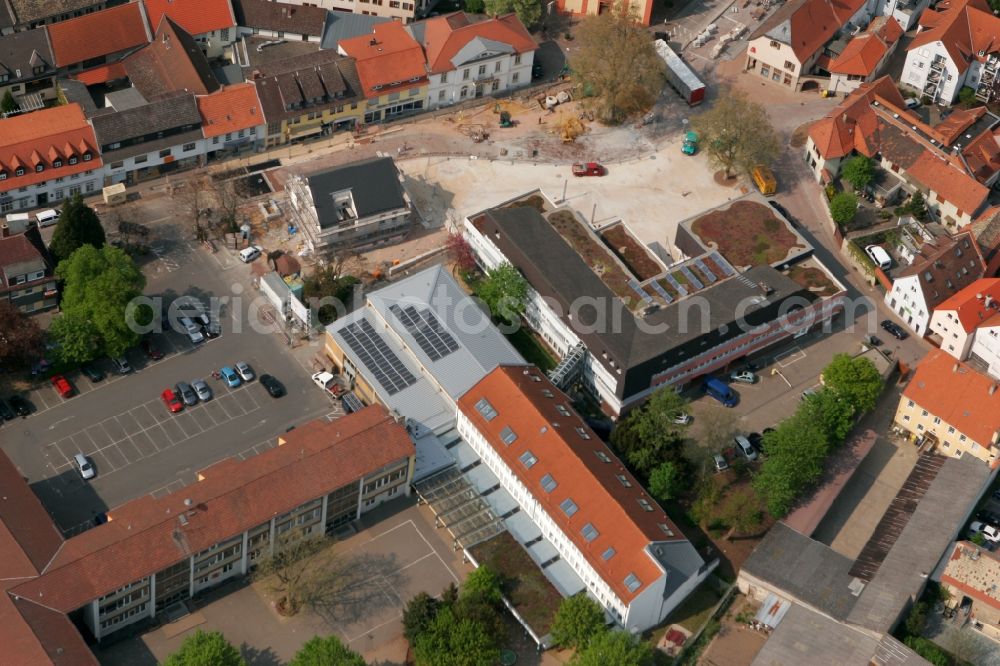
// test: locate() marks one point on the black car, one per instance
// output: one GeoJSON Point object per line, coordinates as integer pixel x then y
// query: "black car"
{"type": "Point", "coordinates": [275, 388]}
{"type": "Point", "coordinates": [894, 330]}
{"type": "Point", "coordinates": [6, 413]}
{"type": "Point", "coordinates": [92, 372]}
{"type": "Point", "coordinates": [20, 406]}
{"type": "Point", "coordinates": [212, 329]}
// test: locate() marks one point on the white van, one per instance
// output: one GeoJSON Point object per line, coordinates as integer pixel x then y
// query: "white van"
{"type": "Point", "coordinates": [248, 254]}
{"type": "Point", "coordinates": [18, 223]}
{"type": "Point", "coordinates": [47, 217]}
{"type": "Point", "coordinates": [879, 256]}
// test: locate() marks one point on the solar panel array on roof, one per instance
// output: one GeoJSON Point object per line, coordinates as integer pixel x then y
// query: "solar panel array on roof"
{"type": "Point", "coordinates": [389, 371]}
{"type": "Point", "coordinates": [425, 328]}
{"type": "Point", "coordinates": [723, 265]}
{"type": "Point", "coordinates": [676, 285]}
{"type": "Point", "coordinates": [662, 292]}
{"type": "Point", "coordinates": [639, 291]}
{"type": "Point", "coordinates": [709, 275]}
{"type": "Point", "coordinates": [692, 278]}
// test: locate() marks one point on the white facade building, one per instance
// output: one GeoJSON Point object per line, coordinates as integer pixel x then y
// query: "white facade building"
{"type": "Point", "coordinates": [986, 346]}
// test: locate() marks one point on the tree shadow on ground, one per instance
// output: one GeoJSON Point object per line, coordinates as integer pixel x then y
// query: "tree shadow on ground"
{"type": "Point", "coordinates": [259, 657]}
{"type": "Point", "coordinates": [356, 587]}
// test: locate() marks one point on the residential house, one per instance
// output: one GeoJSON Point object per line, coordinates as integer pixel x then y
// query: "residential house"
{"type": "Point", "coordinates": [28, 282]}
{"type": "Point", "coordinates": [321, 476]}
{"type": "Point", "coordinates": [955, 320]}
{"type": "Point", "coordinates": [307, 95]}
{"type": "Point", "coordinates": [643, 9]}
{"type": "Point", "coordinates": [865, 56]}
{"type": "Point", "coordinates": [955, 46]}
{"type": "Point", "coordinates": [952, 158]}
{"type": "Point", "coordinates": [232, 121]}
{"type": "Point", "coordinates": [906, 12]}
{"type": "Point", "coordinates": [391, 69]}
{"type": "Point", "coordinates": [211, 23]}
{"type": "Point", "coordinates": [624, 335]}
{"type": "Point", "coordinates": [468, 59]}
{"type": "Point", "coordinates": [27, 68]}
{"type": "Point", "coordinates": [403, 11]}
{"type": "Point", "coordinates": [973, 571]}
{"type": "Point", "coordinates": [280, 20]}
{"type": "Point", "coordinates": [631, 557]}
{"type": "Point", "coordinates": [151, 139]}
{"type": "Point", "coordinates": [355, 205]}
{"type": "Point", "coordinates": [985, 351]}
{"type": "Point", "coordinates": [171, 63]}
{"type": "Point", "coordinates": [790, 43]}
{"type": "Point", "coordinates": [951, 408]}
{"type": "Point", "coordinates": [90, 47]}
{"type": "Point", "coordinates": [342, 25]}
{"type": "Point", "coordinates": [942, 269]}
{"type": "Point", "coordinates": [47, 156]}
{"type": "Point", "coordinates": [21, 15]}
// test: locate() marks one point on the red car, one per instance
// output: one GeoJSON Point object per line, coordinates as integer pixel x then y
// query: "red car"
{"type": "Point", "coordinates": [62, 387]}
{"type": "Point", "coordinates": [172, 401]}
{"type": "Point", "coordinates": [151, 351]}
{"type": "Point", "coordinates": [588, 169]}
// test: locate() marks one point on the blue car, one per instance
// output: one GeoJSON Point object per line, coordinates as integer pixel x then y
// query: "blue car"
{"type": "Point", "coordinates": [231, 378]}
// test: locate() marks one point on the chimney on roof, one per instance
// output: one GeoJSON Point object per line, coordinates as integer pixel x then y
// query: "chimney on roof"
{"type": "Point", "coordinates": [993, 389]}
{"type": "Point", "coordinates": [4, 231]}
{"type": "Point", "coordinates": [988, 301]}
{"type": "Point", "coordinates": [954, 368]}
{"type": "Point", "coordinates": [373, 41]}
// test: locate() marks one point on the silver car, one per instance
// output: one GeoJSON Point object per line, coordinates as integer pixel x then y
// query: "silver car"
{"type": "Point", "coordinates": [743, 377]}
{"type": "Point", "coordinates": [244, 371]}
{"type": "Point", "coordinates": [203, 390]}
{"type": "Point", "coordinates": [186, 393]}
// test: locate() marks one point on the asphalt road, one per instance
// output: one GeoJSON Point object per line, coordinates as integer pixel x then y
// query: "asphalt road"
{"type": "Point", "coordinates": [136, 445]}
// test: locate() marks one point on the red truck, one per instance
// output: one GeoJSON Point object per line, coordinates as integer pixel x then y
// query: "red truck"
{"type": "Point", "coordinates": [588, 169]}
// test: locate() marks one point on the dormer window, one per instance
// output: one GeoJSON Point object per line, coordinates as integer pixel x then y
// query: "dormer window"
{"type": "Point", "coordinates": [73, 160]}
{"type": "Point", "coordinates": [39, 168]}
{"type": "Point", "coordinates": [3, 175]}
{"type": "Point", "coordinates": [87, 156]}
{"type": "Point", "coordinates": [19, 172]}
{"type": "Point", "coordinates": [57, 164]}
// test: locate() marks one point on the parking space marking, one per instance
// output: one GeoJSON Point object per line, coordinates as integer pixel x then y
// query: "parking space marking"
{"type": "Point", "coordinates": [115, 456]}
{"type": "Point", "coordinates": [128, 423]}
{"type": "Point", "coordinates": [114, 429]}
{"type": "Point", "coordinates": [786, 358]}
{"type": "Point", "coordinates": [130, 451]}
{"type": "Point", "coordinates": [186, 423]}
{"type": "Point", "coordinates": [101, 462]}
{"type": "Point", "coordinates": [98, 435]}
{"type": "Point", "coordinates": [203, 419]}
{"type": "Point", "coordinates": [173, 432]}
{"type": "Point", "coordinates": [144, 445]}
{"type": "Point", "coordinates": [143, 417]}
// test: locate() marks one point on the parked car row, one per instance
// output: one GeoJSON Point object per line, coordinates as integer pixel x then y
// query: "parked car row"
{"type": "Point", "coordinates": [189, 394]}
{"type": "Point", "coordinates": [749, 446]}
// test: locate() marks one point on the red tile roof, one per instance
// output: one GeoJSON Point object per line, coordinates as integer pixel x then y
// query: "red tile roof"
{"type": "Point", "coordinates": [969, 305]}
{"type": "Point", "coordinates": [863, 53]}
{"type": "Point", "coordinates": [950, 182]}
{"type": "Point", "coordinates": [230, 110]}
{"type": "Point", "coordinates": [172, 62]}
{"type": "Point", "coordinates": [99, 34]}
{"type": "Point", "coordinates": [812, 23]}
{"type": "Point", "coordinates": [445, 36]}
{"type": "Point", "coordinates": [958, 395]}
{"type": "Point", "coordinates": [61, 131]}
{"type": "Point", "coordinates": [387, 60]}
{"type": "Point", "coordinates": [567, 449]}
{"type": "Point", "coordinates": [965, 28]}
{"type": "Point", "coordinates": [195, 16]}
{"type": "Point", "coordinates": [146, 535]}
{"type": "Point", "coordinates": [102, 74]}
{"type": "Point", "coordinates": [851, 124]}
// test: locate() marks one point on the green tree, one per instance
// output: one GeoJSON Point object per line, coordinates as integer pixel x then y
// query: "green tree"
{"type": "Point", "coordinates": [474, 6]}
{"type": "Point", "coordinates": [328, 651]}
{"type": "Point", "coordinates": [206, 649]}
{"type": "Point", "coordinates": [917, 206]}
{"type": "Point", "coordinates": [705, 504]}
{"type": "Point", "coordinates": [666, 481]}
{"type": "Point", "coordinates": [8, 105]}
{"type": "Point", "coordinates": [855, 379]}
{"type": "Point", "coordinates": [649, 435]}
{"type": "Point", "coordinates": [916, 619]}
{"type": "Point", "coordinates": [616, 65]}
{"type": "Point", "coordinates": [843, 208]}
{"type": "Point", "coordinates": [796, 451]}
{"type": "Point", "coordinates": [832, 412]}
{"type": "Point", "coordinates": [737, 133]}
{"type": "Point", "coordinates": [615, 647]}
{"type": "Point", "coordinates": [578, 620]}
{"type": "Point", "coordinates": [659, 415]}
{"type": "Point", "coordinates": [21, 339]}
{"type": "Point", "coordinates": [528, 11]}
{"type": "Point", "coordinates": [741, 511]}
{"type": "Point", "coordinates": [418, 615]}
{"type": "Point", "coordinates": [453, 641]}
{"type": "Point", "coordinates": [78, 225]}
{"type": "Point", "coordinates": [484, 583]}
{"type": "Point", "coordinates": [858, 171]}
{"type": "Point", "coordinates": [504, 291]}
{"type": "Point", "coordinates": [98, 288]}
{"type": "Point", "coordinates": [928, 650]}
{"type": "Point", "coordinates": [967, 97]}
{"type": "Point", "coordinates": [329, 287]}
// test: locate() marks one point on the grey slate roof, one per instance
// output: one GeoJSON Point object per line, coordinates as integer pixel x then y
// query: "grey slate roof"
{"type": "Point", "coordinates": [228, 75]}
{"type": "Point", "coordinates": [341, 25]}
{"type": "Point", "coordinates": [76, 92]}
{"type": "Point", "coordinates": [807, 570]}
{"type": "Point", "coordinates": [280, 17]}
{"type": "Point", "coordinates": [126, 98]}
{"type": "Point", "coordinates": [566, 277]}
{"type": "Point", "coordinates": [24, 51]}
{"type": "Point", "coordinates": [927, 537]}
{"type": "Point", "coordinates": [476, 46]}
{"type": "Point", "coordinates": [27, 11]}
{"type": "Point", "coordinates": [306, 82]}
{"type": "Point", "coordinates": [162, 115]}
{"type": "Point", "coordinates": [374, 186]}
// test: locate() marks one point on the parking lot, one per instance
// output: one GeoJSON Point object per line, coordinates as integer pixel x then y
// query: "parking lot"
{"type": "Point", "coordinates": [122, 425]}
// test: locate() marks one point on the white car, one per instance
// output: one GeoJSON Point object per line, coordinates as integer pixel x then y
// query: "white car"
{"type": "Point", "coordinates": [84, 466]}
{"type": "Point", "coordinates": [326, 381]}
{"type": "Point", "coordinates": [743, 377]}
{"type": "Point", "coordinates": [745, 447]}
{"type": "Point", "coordinates": [912, 103]}
{"type": "Point", "coordinates": [248, 254]}
{"type": "Point", "coordinates": [989, 532]}
{"type": "Point", "coordinates": [683, 419]}
{"type": "Point", "coordinates": [244, 371]}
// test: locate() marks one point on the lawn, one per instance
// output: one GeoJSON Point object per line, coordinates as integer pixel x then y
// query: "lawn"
{"type": "Point", "coordinates": [632, 253]}
{"type": "Point", "coordinates": [525, 586]}
{"type": "Point", "coordinates": [813, 279]}
{"type": "Point", "coordinates": [746, 233]}
{"type": "Point", "coordinates": [696, 609]}
{"type": "Point", "coordinates": [531, 349]}
{"type": "Point", "coordinates": [598, 257]}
